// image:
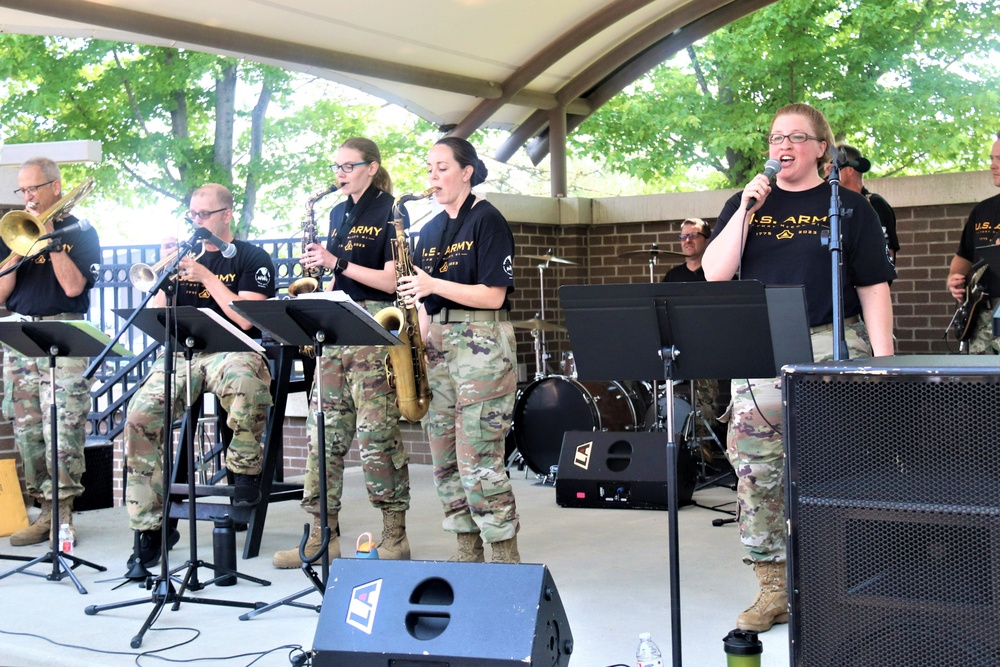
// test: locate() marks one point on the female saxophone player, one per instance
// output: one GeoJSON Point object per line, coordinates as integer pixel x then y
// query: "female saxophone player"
{"type": "Point", "coordinates": [356, 396]}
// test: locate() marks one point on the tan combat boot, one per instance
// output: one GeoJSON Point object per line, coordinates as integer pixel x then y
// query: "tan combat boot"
{"type": "Point", "coordinates": [505, 551]}
{"type": "Point", "coordinates": [289, 559]}
{"type": "Point", "coordinates": [394, 544]}
{"type": "Point", "coordinates": [470, 549]}
{"type": "Point", "coordinates": [771, 604]}
{"type": "Point", "coordinates": [38, 531]}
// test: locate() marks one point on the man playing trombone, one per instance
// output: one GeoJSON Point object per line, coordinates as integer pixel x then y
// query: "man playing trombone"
{"type": "Point", "coordinates": [240, 380]}
{"type": "Point", "coordinates": [55, 285]}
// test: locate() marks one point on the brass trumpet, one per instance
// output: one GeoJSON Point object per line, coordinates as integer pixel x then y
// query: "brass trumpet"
{"type": "Point", "coordinates": [143, 276]}
{"type": "Point", "coordinates": [20, 230]}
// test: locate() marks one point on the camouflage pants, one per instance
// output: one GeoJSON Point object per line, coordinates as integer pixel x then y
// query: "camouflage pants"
{"type": "Point", "coordinates": [471, 372]}
{"type": "Point", "coordinates": [27, 401]}
{"type": "Point", "coordinates": [357, 399]}
{"type": "Point", "coordinates": [982, 340]}
{"type": "Point", "coordinates": [240, 380]}
{"type": "Point", "coordinates": [755, 450]}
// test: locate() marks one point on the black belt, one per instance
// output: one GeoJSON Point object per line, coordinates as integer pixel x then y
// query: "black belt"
{"type": "Point", "coordinates": [57, 316]}
{"type": "Point", "coordinates": [456, 315]}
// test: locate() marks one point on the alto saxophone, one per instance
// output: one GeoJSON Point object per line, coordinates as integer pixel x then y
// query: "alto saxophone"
{"type": "Point", "coordinates": [406, 365]}
{"type": "Point", "coordinates": [309, 282]}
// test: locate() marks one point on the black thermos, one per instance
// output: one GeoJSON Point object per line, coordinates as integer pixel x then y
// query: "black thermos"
{"type": "Point", "coordinates": [224, 545]}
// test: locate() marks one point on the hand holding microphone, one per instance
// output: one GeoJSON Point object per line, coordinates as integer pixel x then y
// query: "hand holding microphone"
{"type": "Point", "coordinates": [771, 169]}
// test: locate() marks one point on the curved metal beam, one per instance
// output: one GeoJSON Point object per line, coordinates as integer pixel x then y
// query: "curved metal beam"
{"type": "Point", "coordinates": [623, 65]}
{"type": "Point", "coordinates": [546, 58]}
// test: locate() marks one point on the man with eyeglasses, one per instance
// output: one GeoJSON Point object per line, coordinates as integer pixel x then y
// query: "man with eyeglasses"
{"type": "Point", "coordinates": [54, 286]}
{"type": "Point", "coordinates": [853, 167]}
{"type": "Point", "coordinates": [240, 380]}
{"type": "Point", "coordinates": [695, 233]}
{"type": "Point", "coordinates": [982, 228]}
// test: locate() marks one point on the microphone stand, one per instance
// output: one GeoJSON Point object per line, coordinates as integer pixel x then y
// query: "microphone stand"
{"type": "Point", "coordinates": [836, 264]}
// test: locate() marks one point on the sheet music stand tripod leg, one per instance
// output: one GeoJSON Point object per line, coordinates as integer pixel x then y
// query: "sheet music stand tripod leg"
{"type": "Point", "coordinates": [318, 583]}
{"type": "Point", "coordinates": [61, 567]}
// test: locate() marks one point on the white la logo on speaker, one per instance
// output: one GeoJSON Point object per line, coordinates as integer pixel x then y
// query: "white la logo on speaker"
{"type": "Point", "coordinates": [582, 457]}
{"type": "Point", "coordinates": [364, 604]}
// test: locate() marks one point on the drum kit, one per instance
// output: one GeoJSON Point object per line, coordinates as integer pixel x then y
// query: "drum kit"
{"type": "Point", "coordinates": [553, 404]}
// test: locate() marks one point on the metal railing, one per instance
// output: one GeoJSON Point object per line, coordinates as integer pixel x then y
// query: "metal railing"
{"type": "Point", "coordinates": [118, 378]}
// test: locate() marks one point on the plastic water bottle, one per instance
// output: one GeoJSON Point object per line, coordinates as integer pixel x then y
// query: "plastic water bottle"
{"type": "Point", "coordinates": [648, 654]}
{"type": "Point", "coordinates": [65, 539]}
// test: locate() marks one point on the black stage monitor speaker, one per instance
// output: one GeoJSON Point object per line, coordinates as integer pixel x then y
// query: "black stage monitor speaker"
{"type": "Point", "coordinates": [893, 488]}
{"type": "Point", "coordinates": [382, 613]}
{"type": "Point", "coordinates": [620, 470]}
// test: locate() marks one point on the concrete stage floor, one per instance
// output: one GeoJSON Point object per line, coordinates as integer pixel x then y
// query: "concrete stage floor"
{"type": "Point", "coordinates": [610, 568]}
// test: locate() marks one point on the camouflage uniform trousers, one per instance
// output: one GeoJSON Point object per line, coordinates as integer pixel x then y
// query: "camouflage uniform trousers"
{"type": "Point", "coordinates": [357, 399]}
{"type": "Point", "coordinates": [471, 373]}
{"type": "Point", "coordinates": [241, 382]}
{"type": "Point", "coordinates": [27, 393]}
{"type": "Point", "coordinates": [982, 340]}
{"type": "Point", "coordinates": [756, 453]}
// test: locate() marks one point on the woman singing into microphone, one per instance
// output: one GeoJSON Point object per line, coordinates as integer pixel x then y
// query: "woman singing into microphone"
{"type": "Point", "coordinates": [773, 233]}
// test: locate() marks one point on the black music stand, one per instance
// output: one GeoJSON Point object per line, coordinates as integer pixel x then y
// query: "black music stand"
{"type": "Point", "coordinates": [194, 330]}
{"type": "Point", "coordinates": [54, 339]}
{"type": "Point", "coordinates": [684, 331]}
{"type": "Point", "coordinates": [318, 319]}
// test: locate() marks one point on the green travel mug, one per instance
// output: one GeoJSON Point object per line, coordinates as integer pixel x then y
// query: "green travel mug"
{"type": "Point", "coordinates": [742, 648]}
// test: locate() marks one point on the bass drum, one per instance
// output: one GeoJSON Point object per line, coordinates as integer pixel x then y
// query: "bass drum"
{"type": "Point", "coordinates": [550, 406]}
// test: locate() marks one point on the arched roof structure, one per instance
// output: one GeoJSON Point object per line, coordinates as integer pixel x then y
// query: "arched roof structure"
{"type": "Point", "coordinates": [536, 68]}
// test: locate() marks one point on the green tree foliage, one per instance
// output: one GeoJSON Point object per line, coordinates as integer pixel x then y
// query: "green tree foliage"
{"type": "Point", "coordinates": [170, 120]}
{"type": "Point", "coordinates": [912, 83]}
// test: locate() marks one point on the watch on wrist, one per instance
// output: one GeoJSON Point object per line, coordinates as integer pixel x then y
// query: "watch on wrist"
{"type": "Point", "coordinates": [341, 266]}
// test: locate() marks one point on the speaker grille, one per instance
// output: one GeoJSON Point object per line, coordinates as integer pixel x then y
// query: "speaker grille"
{"type": "Point", "coordinates": [894, 503]}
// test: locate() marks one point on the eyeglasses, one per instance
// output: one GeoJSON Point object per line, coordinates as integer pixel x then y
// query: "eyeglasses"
{"type": "Point", "coordinates": [688, 237]}
{"type": "Point", "coordinates": [203, 215]}
{"type": "Point", "coordinates": [794, 137]}
{"type": "Point", "coordinates": [349, 167]}
{"type": "Point", "coordinates": [32, 189]}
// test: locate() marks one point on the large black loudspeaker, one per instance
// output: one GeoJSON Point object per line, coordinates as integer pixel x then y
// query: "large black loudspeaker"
{"type": "Point", "coordinates": [437, 614]}
{"type": "Point", "coordinates": [893, 487]}
{"type": "Point", "coordinates": [620, 470]}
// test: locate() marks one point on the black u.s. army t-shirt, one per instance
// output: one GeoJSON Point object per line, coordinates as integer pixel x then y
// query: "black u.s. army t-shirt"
{"type": "Point", "coordinates": [481, 253]}
{"type": "Point", "coordinates": [37, 292]}
{"type": "Point", "coordinates": [982, 228]}
{"type": "Point", "coordinates": [249, 270]}
{"type": "Point", "coordinates": [363, 238]}
{"type": "Point", "coordinates": [784, 246]}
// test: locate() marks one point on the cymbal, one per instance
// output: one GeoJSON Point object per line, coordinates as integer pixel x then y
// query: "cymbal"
{"type": "Point", "coordinates": [652, 251]}
{"type": "Point", "coordinates": [548, 258]}
{"type": "Point", "coordinates": [539, 325]}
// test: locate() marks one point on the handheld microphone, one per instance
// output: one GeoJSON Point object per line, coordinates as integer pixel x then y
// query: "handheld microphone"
{"type": "Point", "coordinates": [771, 168]}
{"type": "Point", "coordinates": [79, 226]}
{"type": "Point", "coordinates": [227, 249]}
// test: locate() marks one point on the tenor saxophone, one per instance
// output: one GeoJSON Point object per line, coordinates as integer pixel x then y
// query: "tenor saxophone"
{"type": "Point", "coordinates": [309, 282]}
{"type": "Point", "coordinates": [406, 365]}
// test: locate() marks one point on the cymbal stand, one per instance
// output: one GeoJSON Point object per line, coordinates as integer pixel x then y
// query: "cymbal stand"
{"type": "Point", "coordinates": [536, 334]}
{"type": "Point", "coordinates": [689, 436]}
{"type": "Point", "coordinates": [652, 263]}
{"type": "Point", "coordinates": [541, 354]}
{"type": "Point", "coordinates": [655, 385]}
{"type": "Point", "coordinates": [61, 567]}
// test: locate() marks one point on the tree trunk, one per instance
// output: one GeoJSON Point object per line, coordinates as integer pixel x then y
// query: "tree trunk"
{"type": "Point", "coordinates": [257, 119]}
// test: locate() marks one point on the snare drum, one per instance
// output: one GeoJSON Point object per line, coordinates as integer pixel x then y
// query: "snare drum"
{"type": "Point", "coordinates": [550, 406]}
